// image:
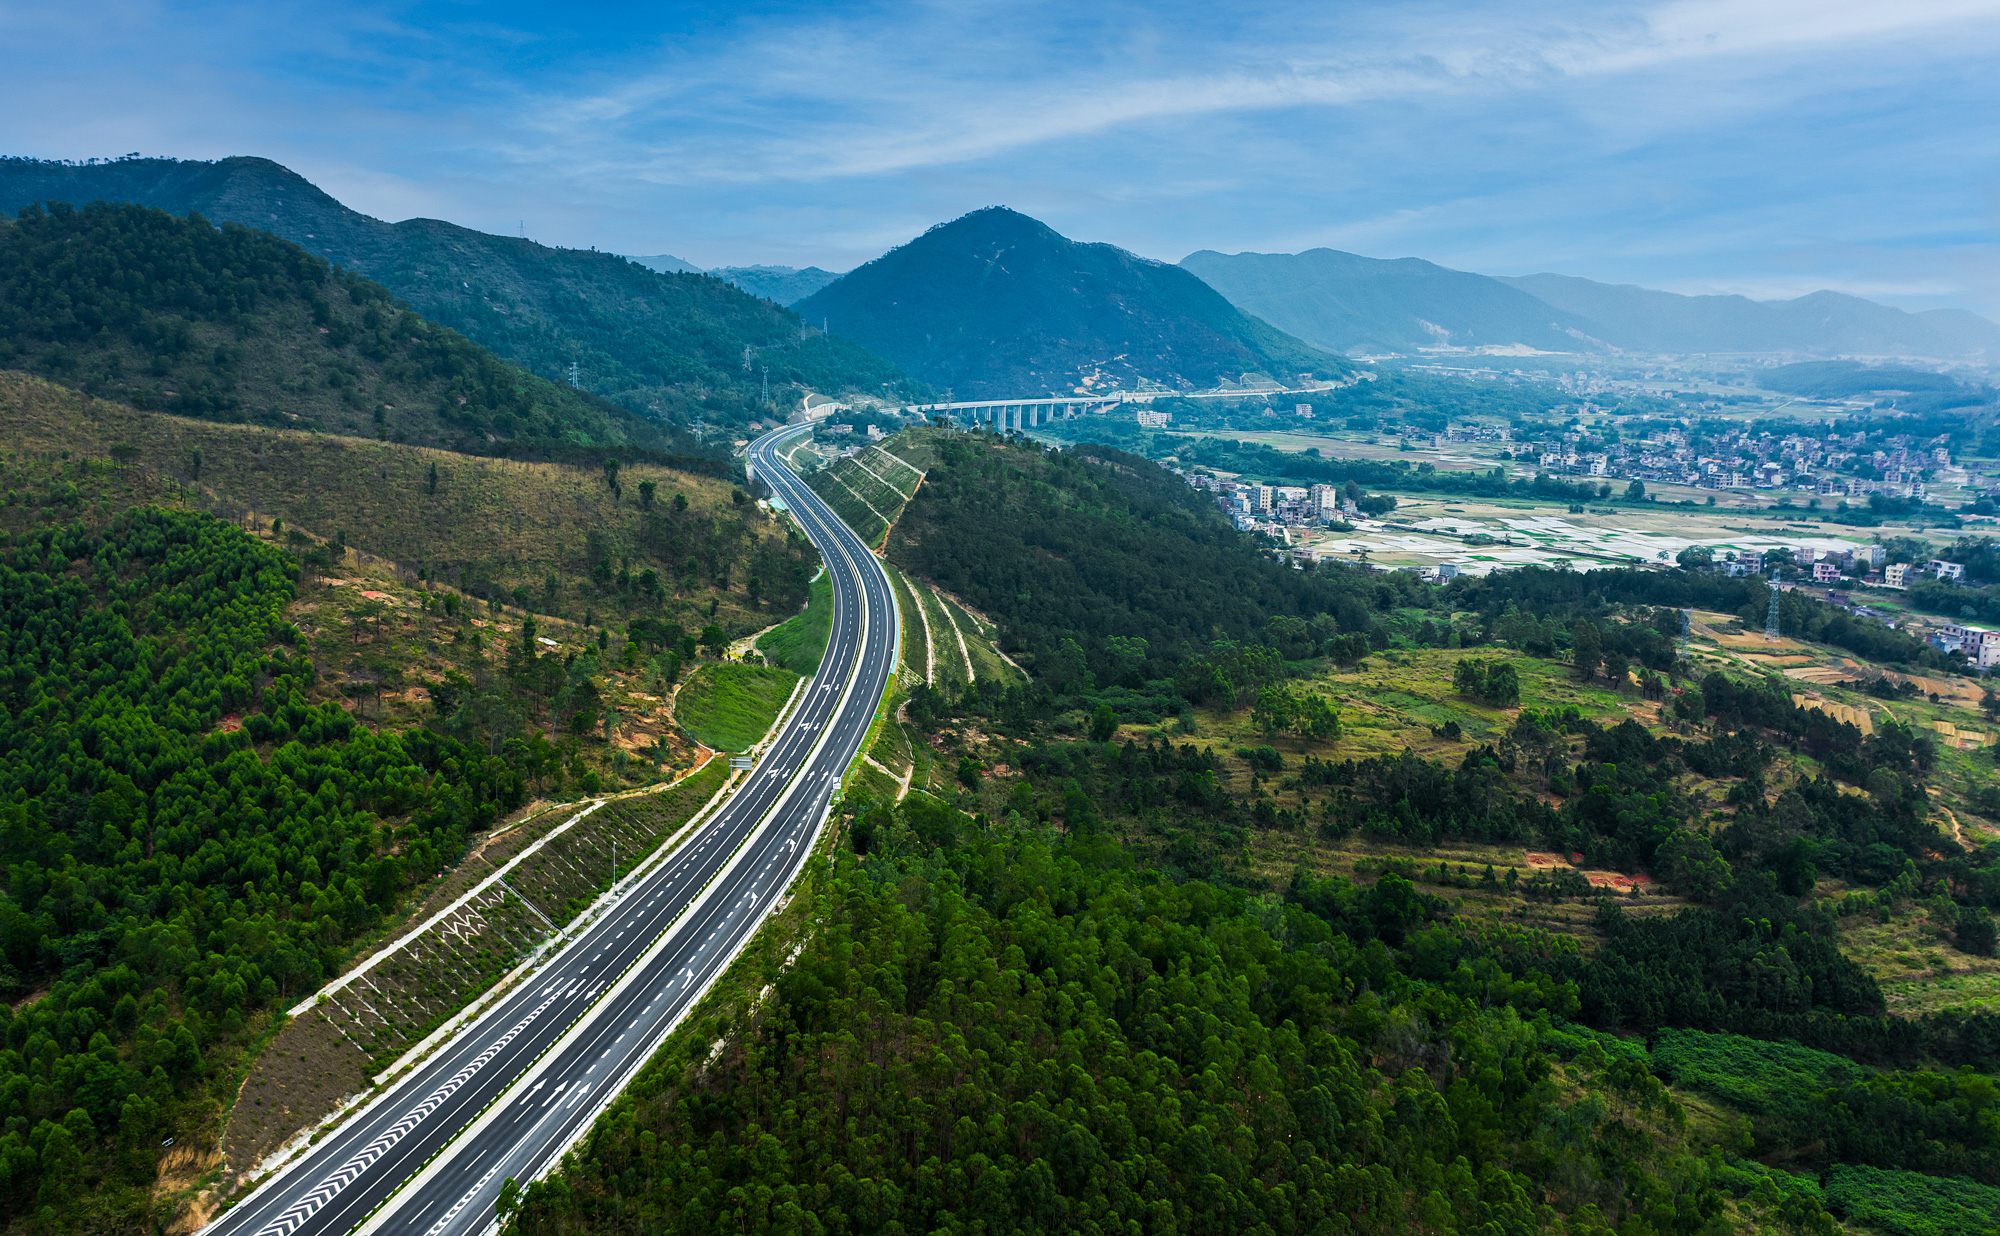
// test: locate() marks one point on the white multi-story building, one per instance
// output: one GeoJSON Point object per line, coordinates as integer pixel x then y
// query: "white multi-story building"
{"type": "Point", "coordinates": [1896, 575]}
{"type": "Point", "coordinates": [1980, 645]}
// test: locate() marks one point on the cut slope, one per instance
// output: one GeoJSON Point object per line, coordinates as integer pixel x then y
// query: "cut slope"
{"type": "Point", "coordinates": [1347, 303]}
{"type": "Point", "coordinates": [671, 345]}
{"type": "Point", "coordinates": [1826, 322]}
{"type": "Point", "coordinates": [996, 304]}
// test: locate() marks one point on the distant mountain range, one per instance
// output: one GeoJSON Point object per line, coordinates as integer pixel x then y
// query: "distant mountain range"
{"type": "Point", "coordinates": [996, 304]}
{"type": "Point", "coordinates": [1638, 319]}
{"type": "Point", "coordinates": [672, 346]}
{"type": "Point", "coordinates": [1358, 305]}
{"type": "Point", "coordinates": [787, 285]}
{"type": "Point", "coordinates": [1351, 304]}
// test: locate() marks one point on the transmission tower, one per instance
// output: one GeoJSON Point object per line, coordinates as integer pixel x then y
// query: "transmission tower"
{"type": "Point", "coordinates": [1771, 622]}
{"type": "Point", "coordinates": [767, 386]}
{"type": "Point", "coordinates": [574, 377]}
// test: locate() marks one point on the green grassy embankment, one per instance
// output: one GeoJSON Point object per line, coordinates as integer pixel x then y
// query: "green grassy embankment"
{"type": "Point", "coordinates": [798, 643]}
{"type": "Point", "coordinates": [731, 707]}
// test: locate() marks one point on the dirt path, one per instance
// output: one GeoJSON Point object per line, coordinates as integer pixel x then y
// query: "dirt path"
{"type": "Point", "coordinates": [1956, 831]}
{"type": "Point", "coordinates": [924, 618]}
{"type": "Point", "coordinates": [971, 675]}
{"type": "Point", "coordinates": [902, 782]}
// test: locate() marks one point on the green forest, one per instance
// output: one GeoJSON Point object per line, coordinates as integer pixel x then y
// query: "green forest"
{"type": "Point", "coordinates": [176, 315]}
{"type": "Point", "coordinates": [1058, 998]}
{"type": "Point", "coordinates": [174, 876]}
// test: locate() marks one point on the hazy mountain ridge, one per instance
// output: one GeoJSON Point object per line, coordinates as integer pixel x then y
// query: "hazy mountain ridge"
{"type": "Point", "coordinates": [1642, 319]}
{"type": "Point", "coordinates": [670, 346]}
{"type": "Point", "coordinates": [1346, 303]}
{"type": "Point", "coordinates": [787, 285]}
{"type": "Point", "coordinates": [996, 304]}
{"type": "Point", "coordinates": [1354, 304]}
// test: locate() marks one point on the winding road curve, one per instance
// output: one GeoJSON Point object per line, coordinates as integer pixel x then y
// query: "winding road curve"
{"type": "Point", "coordinates": [514, 1090]}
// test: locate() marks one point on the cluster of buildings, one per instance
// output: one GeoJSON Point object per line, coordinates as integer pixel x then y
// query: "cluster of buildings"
{"type": "Point", "coordinates": [1742, 460]}
{"type": "Point", "coordinates": [1980, 646]}
{"type": "Point", "coordinates": [1268, 507]}
{"type": "Point", "coordinates": [1862, 562]}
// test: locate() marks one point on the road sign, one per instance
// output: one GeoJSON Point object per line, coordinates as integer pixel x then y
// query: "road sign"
{"type": "Point", "coordinates": [742, 761]}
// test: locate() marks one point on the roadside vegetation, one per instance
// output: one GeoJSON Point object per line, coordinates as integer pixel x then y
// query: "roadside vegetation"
{"type": "Point", "coordinates": [732, 707]}
{"type": "Point", "coordinates": [798, 643]}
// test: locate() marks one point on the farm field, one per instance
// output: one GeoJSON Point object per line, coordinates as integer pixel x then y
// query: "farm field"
{"type": "Point", "coordinates": [1427, 531]}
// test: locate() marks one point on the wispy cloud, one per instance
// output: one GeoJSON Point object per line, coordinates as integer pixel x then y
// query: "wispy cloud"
{"type": "Point", "coordinates": [1755, 144]}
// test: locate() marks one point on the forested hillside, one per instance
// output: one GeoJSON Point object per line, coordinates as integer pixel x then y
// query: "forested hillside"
{"type": "Point", "coordinates": [677, 348]}
{"type": "Point", "coordinates": [237, 325]}
{"type": "Point", "coordinates": [1004, 1030]}
{"type": "Point", "coordinates": [1100, 552]}
{"type": "Point", "coordinates": [172, 875]}
{"type": "Point", "coordinates": [615, 536]}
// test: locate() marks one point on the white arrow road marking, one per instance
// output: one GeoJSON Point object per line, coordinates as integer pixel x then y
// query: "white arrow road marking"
{"type": "Point", "coordinates": [303, 1209]}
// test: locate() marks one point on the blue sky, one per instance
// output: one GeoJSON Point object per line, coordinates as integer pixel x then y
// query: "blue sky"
{"type": "Point", "coordinates": [1769, 147]}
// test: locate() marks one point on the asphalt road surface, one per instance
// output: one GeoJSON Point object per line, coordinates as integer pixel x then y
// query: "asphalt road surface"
{"type": "Point", "coordinates": [509, 1094]}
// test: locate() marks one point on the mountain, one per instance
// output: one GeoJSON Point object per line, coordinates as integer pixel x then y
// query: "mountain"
{"type": "Point", "coordinates": [678, 347]}
{"type": "Point", "coordinates": [996, 304]}
{"type": "Point", "coordinates": [236, 324]}
{"type": "Point", "coordinates": [1346, 303]}
{"type": "Point", "coordinates": [667, 264]}
{"type": "Point", "coordinates": [1643, 320]}
{"type": "Point", "coordinates": [787, 285]}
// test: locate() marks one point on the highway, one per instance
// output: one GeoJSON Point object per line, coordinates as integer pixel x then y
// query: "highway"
{"type": "Point", "coordinates": [512, 1092]}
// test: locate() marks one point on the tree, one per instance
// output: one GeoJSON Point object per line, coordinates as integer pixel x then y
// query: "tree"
{"type": "Point", "coordinates": [1617, 669]}
{"type": "Point", "coordinates": [1976, 933]}
{"type": "Point", "coordinates": [1503, 685]}
{"type": "Point", "coordinates": [1696, 558]}
{"type": "Point", "coordinates": [714, 639]}
{"type": "Point", "coordinates": [1103, 723]}
{"type": "Point", "coordinates": [680, 503]}
{"type": "Point", "coordinates": [1635, 492]}
{"type": "Point", "coordinates": [1317, 719]}
{"type": "Point", "coordinates": [1586, 650]}
{"type": "Point", "coordinates": [646, 491]}
{"type": "Point", "coordinates": [1275, 711]}
{"type": "Point", "coordinates": [611, 475]}
{"type": "Point", "coordinates": [1989, 703]}
{"type": "Point", "coordinates": [434, 476]}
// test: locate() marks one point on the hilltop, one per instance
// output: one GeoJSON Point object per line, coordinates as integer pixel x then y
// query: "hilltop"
{"type": "Point", "coordinates": [995, 303]}
{"type": "Point", "coordinates": [237, 325]}
{"type": "Point", "coordinates": [678, 347]}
